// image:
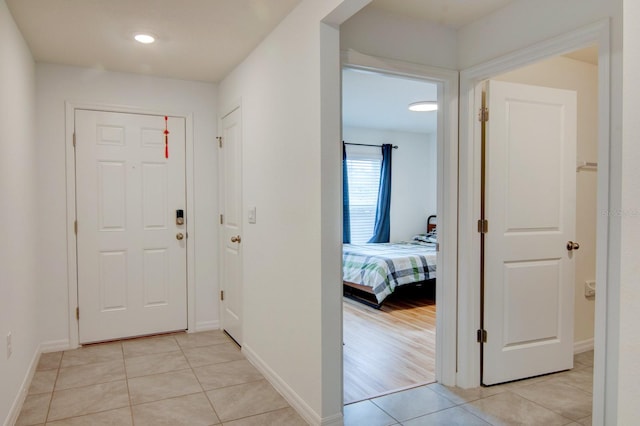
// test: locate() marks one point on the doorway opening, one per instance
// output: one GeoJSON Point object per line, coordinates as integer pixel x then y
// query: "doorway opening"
{"type": "Point", "coordinates": [553, 291]}
{"type": "Point", "coordinates": [389, 315]}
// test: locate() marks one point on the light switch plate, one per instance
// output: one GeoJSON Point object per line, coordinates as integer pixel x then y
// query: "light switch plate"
{"type": "Point", "coordinates": [252, 215]}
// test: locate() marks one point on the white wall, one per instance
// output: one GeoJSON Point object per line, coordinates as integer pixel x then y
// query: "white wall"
{"type": "Point", "coordinates": [413, 179]}
{"type": "Point", "coordinates": [565, 73]}
{"type": "Point", "coordinates": [57, 84]}
{"type": "Point", "coordinates": [525, 22]}
{"type": "Point", "coordinates": [18, 214]}
{"type": "Point", "coordinates": [378, 33]}
{"type": "Point", "coordinates": [629, 374]}
{"type": "Point", "coordinates": [291, 173]}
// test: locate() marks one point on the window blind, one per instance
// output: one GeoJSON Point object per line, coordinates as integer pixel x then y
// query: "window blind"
{"type": "Point", "coordinates": [363, 170]}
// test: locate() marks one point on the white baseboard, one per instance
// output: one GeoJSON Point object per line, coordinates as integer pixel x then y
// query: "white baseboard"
{"type": "Point", "coordinates": [583, 346]}
{"type": "Point", "coordinates": [206, 326]}
{"type": "Point", "coordinates": [294, 400]}
{"type": "Point", "coordinates": [55, 346]}
{"type": "Point", "coordinates": [16, 407]}
{"type": "Point", "coordinates": [335, 420]}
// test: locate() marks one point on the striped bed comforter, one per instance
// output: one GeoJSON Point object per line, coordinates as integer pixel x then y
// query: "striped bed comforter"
{"type": "Point", "coordinates": [383, 267]}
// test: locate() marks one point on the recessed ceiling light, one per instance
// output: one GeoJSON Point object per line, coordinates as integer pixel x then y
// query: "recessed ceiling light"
{"type": "Point", "coordinates": [423, 106]}
{"type": "Point", "coordinates": [144, 38]}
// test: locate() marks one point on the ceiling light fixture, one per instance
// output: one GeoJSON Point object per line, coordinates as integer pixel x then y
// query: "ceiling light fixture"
{"type": "Point", "coordinates": [423, 106]}
{"type": "Point", "coordinates": [144, 38]}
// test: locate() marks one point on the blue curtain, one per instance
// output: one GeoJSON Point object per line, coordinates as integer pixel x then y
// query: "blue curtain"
{"type": "Point", "coordinates": [383, 223]}
{"type": "Point", "coordinates": [346, 216]}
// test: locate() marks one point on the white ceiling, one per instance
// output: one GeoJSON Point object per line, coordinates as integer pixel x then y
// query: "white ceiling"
{"type": "Point", "coordinates": [377, 101]}
{"type": "Point", "coordinates": [197, 39]}
{"type": "Point", "coordinates": [451, 13]}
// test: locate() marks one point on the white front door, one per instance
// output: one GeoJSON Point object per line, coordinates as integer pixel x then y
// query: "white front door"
{"type": "Point", "coordinates": [131, 260]}
{"type": "Point", "coordinates": [231, 224]}
{"type": "Point", "coordinates": [530, 208]}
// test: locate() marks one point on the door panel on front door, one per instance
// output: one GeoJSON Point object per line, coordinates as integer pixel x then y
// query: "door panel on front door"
{"type": "Point", "coordinates": [530, 206]}
{"type": "Point", "coordinates": [131, 268]}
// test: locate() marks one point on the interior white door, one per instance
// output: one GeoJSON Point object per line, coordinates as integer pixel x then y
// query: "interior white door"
{"type": "Point", "coordinates": [530, 208]}
{"type": "Point", "coordinates": [231, 224]}
{"type": "Point", "coordinates": [131, 260]}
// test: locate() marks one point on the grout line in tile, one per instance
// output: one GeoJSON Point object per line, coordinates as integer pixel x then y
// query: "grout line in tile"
{"type": "Point", "coordinates": [545, 407]}
{"type": "Point", "coordinates": [55, 382]}
{"type": "Point", "coordinates": [164, 399]}
{"type": "Point", "coordinates": [260, 414]}
{"type": "Point", "coordinates": [126, 380]}
{"type": "Point", "coordinates": [238, 384]}
{"type": "Point", "coordinates": [476, 416]}
{"type": "Point", "coordinates": [204, 392]}
{"type": "Point", "coordinates": [383, 410]}
{"type": "Point", "coordinates": [215, 363]}
{"type": "Point", "coordinates": [85, 414]}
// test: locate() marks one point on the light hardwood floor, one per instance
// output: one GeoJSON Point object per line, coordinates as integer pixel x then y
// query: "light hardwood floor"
{"type": "Point", "coordinates": [389, 349]}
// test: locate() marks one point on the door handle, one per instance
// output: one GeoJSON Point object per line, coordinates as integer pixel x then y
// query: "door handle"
{"type": "Point", "coordinates": [236, 239]}
{"type": "Point", "coordinates": [179, 236]}
{"type": "Point", "coordinates": [572, 246]}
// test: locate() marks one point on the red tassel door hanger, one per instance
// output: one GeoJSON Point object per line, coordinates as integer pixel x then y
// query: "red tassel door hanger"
{"type": "Point", "coordinates": [166, 138]}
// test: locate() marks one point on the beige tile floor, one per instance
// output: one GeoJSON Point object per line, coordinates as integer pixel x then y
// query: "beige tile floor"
{"type": "Point", "coordinates": [178, 379]}
{"type": "Point", "coordinates": [557, 399]}
{"type": "Point", "coordinates": [203, 379]}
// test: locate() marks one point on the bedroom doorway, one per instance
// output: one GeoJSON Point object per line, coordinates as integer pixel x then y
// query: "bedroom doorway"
{"type": "Point", "coordinates": [389, 322]}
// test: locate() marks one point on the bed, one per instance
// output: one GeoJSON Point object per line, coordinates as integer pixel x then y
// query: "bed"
{"type": "Point", "coordinates": [378, 269]}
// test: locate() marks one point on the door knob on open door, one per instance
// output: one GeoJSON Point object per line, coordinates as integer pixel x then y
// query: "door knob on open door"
{"type": "Point", "coordinates": [236, 239]}
{"type": "Point", "coordinates": [179, 236]}
{"type": "Point", "coordinates": [572, 246]}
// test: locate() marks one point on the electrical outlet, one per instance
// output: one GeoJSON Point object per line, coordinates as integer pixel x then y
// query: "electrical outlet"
{"type": "Point", "coordinates": [9, 346]}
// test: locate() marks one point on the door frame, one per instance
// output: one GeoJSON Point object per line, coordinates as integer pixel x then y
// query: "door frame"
{"type": "Point", "coordinates": [469, 239]}
{"type": "Point", "coordinates": [72, 260]}
{"type": "Point", "coordinates": [447, 201]}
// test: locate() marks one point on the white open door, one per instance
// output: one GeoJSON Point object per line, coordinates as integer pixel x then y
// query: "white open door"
{"type": "Point", "coordinates": [230, 173]}
{"type": "Point", "coordinates": [131, 249]}
{"type": "Point", "coordinates": [530, 208]}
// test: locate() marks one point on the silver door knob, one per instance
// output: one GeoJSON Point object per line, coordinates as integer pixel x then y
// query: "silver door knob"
{"type": "Point", "coordinates": [572, 246]}
{"type": "Point", "coordinates": [179, 236]}
{"type": "Point", "coordinates": [236, 239]}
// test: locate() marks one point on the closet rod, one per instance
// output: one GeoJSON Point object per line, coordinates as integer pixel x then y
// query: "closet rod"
{"type": "Point", "coordinates": [364, 144]}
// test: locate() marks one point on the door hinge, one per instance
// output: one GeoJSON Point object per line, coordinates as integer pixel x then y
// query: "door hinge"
{"type": "Point", "coordinates": [437, 247]}
{"type": "Point", "coordinates": [219, 141]}
{"type": "Point", "coordinates": [221, 294]}
{"type": "Point", "coordinates": [221, 219]}
{"type": "Point", "coordinates": [74, 139]}
{"type": "Point", "coordinates": [75, 227]}
{"type": "Point", "coordinates": [77, 313]}
{"type": "Point", "coordinates": [483, 115]}
{"type": "Point", "coordinates": [483, 226]}
{"type": "Point", "coordinates": [482, 336]}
